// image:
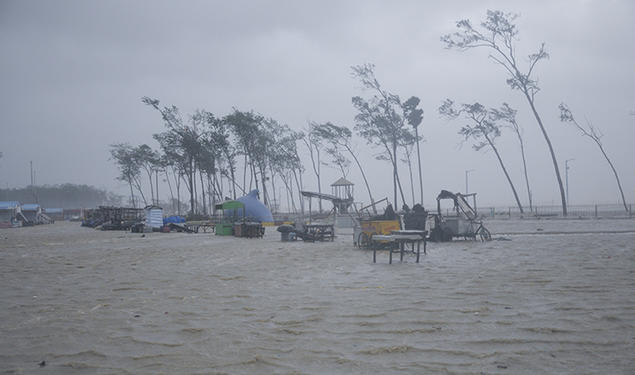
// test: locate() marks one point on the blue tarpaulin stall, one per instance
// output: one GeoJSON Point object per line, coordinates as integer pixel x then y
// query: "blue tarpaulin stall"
{"type": "Point", "coordinates": [254, 209]}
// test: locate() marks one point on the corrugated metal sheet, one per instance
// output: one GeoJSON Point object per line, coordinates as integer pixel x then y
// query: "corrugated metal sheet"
{"type": "Point", "coordinates": [154, 217]}
{"type": "Point", "coordinates": [30, 207]}
{"type": "Point", "coordinates": [9, 205]}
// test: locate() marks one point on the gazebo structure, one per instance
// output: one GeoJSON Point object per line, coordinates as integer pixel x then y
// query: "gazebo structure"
{"type": "Point", "coordinates": [343, 189]}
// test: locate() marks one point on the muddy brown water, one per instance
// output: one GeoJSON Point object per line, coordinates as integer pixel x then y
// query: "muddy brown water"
{"type": "Point", "coordinates": [92, 302]}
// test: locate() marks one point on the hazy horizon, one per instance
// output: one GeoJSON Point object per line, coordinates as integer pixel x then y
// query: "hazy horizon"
{"type": "Point", "coordinates": [74, 72]}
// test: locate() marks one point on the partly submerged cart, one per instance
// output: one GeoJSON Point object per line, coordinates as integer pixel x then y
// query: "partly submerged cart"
{"type": "Point", "coordinates": [463, 222]}
{"type": "Point", "coordinates": [366, 228]}
{"type": "Point", "coordinates": [229, 215]}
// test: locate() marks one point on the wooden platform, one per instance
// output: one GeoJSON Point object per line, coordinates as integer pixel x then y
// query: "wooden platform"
{"type": "Point", "coordinates": [402, 238]}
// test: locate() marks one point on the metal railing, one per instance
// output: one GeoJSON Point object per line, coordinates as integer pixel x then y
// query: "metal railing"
{"type": "Point", "coordinates": [589, 211]}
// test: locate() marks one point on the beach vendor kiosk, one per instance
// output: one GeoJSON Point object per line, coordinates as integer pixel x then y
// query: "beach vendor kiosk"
{"type": "Point", "coordinates": [231, 211]}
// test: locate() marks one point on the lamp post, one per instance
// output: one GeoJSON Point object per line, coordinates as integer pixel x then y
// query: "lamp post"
{"type": "Point", "coordinates": [566, 174]}
{"type": "Point", "coordinates": [467, 171]}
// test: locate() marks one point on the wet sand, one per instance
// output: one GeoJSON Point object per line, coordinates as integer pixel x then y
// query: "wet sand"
{"type": "Point", "coordinates": [534, 302]}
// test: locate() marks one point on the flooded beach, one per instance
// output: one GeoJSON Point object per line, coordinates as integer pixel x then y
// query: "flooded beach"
{"type": "Point", "coordinates": [545, 297]}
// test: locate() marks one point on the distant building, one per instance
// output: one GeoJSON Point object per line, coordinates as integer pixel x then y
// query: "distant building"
{"type": "Point", "coordinates": [10, 214]}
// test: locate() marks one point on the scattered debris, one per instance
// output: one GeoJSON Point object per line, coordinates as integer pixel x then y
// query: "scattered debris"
{"type": "Point", "coordinates": [502, 239]}
{"type": "Point", "coordinates": [112, 218]}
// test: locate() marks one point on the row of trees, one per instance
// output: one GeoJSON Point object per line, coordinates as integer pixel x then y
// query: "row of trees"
{"type": "Point", "coordinates": [219, 157]}
{"type": "Point", "coordinates": [205, 153]}
{"type": "Point", "coordinates": [498, 34]}
{"type": "Point", "coordinates": [216, 158]}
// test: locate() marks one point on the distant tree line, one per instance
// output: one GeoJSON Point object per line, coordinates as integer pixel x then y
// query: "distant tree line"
{"type": "Point", "coordinates": [61, 196]}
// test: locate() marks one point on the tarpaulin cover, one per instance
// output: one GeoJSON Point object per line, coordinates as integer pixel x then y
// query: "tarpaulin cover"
{"type": "Point", "coordinates": [254, 209]}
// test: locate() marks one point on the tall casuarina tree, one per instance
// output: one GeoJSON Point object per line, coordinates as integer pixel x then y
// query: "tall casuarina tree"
{"type": "Point", "coordinates": [498, 34]}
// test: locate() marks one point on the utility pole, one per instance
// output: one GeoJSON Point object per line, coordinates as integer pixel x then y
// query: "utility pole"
{"type": "Point", "coordinates": [33, 182]}
{"type": "Point", "coordinates": [566, 174]}
{"type": "Point", "coordinates": [466, 179]}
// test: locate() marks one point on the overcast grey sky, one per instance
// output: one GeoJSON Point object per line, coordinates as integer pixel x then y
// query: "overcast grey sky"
{"type": "Point", "coordinates": [72, 74]}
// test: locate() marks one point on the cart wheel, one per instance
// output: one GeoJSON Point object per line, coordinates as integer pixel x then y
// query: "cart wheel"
{"type": "Point", "coordinates": [364, 240]}
{"type": "Point", "coordinates": [485, 234]}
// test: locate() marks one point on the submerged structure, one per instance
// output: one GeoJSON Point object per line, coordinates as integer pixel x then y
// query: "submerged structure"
{"type": "Point", "coordinates": [32, 213]}
{"type": "Point", "coordinates": [462, 221]}
{"type": "Point", "coordinates": [10, 214]}
{"type": "Point", "coordinates": [154, 216]}
{"type": "Point", "coordinates": [254, 209]}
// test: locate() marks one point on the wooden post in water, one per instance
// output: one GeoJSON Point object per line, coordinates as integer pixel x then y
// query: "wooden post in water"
{"type": "Point", "coordinates": [596, 211]}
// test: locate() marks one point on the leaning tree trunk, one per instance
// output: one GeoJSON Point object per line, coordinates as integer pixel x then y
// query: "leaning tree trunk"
{"type": "Point", "coordinates": [200, 174]}
{"type": "Point", "coordinates": [370, 195]}
{"type": "Point", "coordinates": [299, 185]}
{"type": "Point", "coordinates": [137, 184]}
{"type": "Point", "coordinates": [522, 153]}
{"type": "Point", "coordinates": [233, 176]}
{"type": "Point", "coordinates": [288, 184]}
{"type": "Point", "coordinates": [131, 194]}
{"type": "Point", "coordinates": [419, 163]}
{"type": "Point", "coordinates": [149, 173]}
{"type": "Point", "coordinates": [191, 185]}
{"type": "Point", "coordinates": [553, 155]}
{"type": "Point", "coordinates": [245, 172]}
{"type": "Point", "coordinates": [412, 184]}
{"type": "Point", "coordinates": [500, 160]}
{"type": "Point", "coordinates": [178, 193]}
{"type": "Point", "coordinates": [619, 185]}
{"type": "Point", "coordinates": [167, 178]}
{"type": "Point", "coordinates": [394, 172]}
{"type": "Point", "coordinates": [397, 181]}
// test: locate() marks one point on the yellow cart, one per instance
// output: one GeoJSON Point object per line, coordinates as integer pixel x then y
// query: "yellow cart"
{"type": "Point", "coordinates": [367, 228]}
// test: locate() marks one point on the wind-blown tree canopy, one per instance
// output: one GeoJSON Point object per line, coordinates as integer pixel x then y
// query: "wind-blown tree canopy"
{"type": "Point", "coordinates": [508, 115]}
{"type": "Point", "coordinates": [183, 138]}
{"type": "Point", "coordinates": [245, 126]}
{"type": "Point", "coordinates": [129, 165]}
{"type": "Point", "coordinates": [148, 159]}
{"type": "Point", "coordinates": [314, 144]}
{"type": "Point", "coordinates": [380, 120]}
{"type": "Point", "coordinates": [481, 128]}
{"type": "Point", "coordinates": [595, 135]}
{"type": "Point", "coordinates": [332, 146]}
{"type": "Point", "coordinates": [339, 137]}
{"type": "Point", "coordinates": [414, 116]}
{"type": "Point", "coordinates": [498, 33]}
